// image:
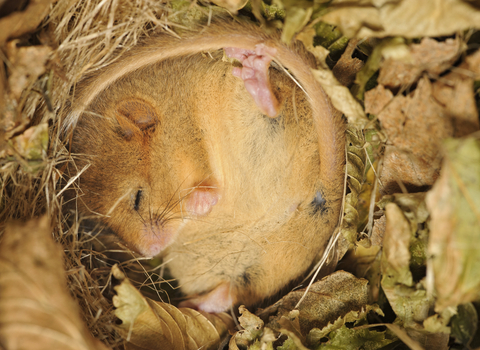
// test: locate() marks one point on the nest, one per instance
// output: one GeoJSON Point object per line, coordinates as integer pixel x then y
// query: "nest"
{"type": "Point", "coordinates": [76, 38]}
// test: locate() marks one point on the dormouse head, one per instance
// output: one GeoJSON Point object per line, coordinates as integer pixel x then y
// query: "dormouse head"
{"type": "Point", "coordinates": [144, 176]}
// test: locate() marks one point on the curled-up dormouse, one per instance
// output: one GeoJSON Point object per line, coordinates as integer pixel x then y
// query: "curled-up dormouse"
{"type": "Point", "coordinates": [218, 151]}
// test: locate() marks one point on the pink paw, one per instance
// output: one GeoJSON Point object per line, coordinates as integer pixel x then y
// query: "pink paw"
{"type": "Point", "coordinates": [218, 300]}
{"type": "Point", "coordinates": [201, 201]}
{"type": "Point", "coordinates": [254, 74]}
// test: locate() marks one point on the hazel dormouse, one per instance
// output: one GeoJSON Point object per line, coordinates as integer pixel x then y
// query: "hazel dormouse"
{"type": "Point", "coordinates": [218, 151]}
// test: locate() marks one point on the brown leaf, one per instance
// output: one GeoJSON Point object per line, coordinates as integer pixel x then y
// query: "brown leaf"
{"type": "Point", "coordinates": [147, 324]}
{"type": "Point", "coordinates": [332, 297]}
{"type": "Point", "coordinates": [27, 63]}
{"type": "Point", "coordinates": [407, 18]}
{"type": "Point", "coordinates": [377, 99]}
{"type": "Point", "coordinates": [378, 231]}
{"type": "Point", "coordinates": [347, 67]}
{"type": "Point", "coordinates": [36, 309]}
{"type": "Point", "coordinates": [395, 245]}
{"type": "Point", "coordinates": [416, 125]}
{"type": "Point", "coordinates": [340, 96]}
{"type": "Point", "coordinates": [19, 23]}
{"type": "Point", "coordinates": [454, 205]}
{"type": "Point", "coordinates": [231, 5]}
{"type": "Point", "coordinates": [455, 93]}
{"type": "Point", "coordinates": [429, 56]}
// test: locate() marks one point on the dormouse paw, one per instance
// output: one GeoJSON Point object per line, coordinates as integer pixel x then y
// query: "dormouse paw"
{"type": "Point", "coordinates": [218, 300]}
{"type": "Point", "coordinates": [254, 74]}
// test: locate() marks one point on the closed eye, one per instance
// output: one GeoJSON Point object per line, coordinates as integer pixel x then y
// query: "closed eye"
{"type": "Point", "coordinates": [138, 199]}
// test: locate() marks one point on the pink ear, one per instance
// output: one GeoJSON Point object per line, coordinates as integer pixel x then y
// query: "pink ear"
{"type": "Point", "coordinates": [254, 73]}
{"type": "Point", "coordinates": [201, 201]}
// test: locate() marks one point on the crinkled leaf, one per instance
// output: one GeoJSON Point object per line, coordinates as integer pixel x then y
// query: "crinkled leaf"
{"type": "Point", "coordinates": [231, 5]}
{"type": "Point", "coordinates": [297, 17]}
{"type": "Point", "coordinates": [373, 63]}
{"type": "Point", "coordinates": [430, 56]}
{"type": "Point", "coordinates": [22, 22]}
{"type": "Point", "coordinates": [32, 143]}
{"type": "Point", "coordinates": [147, 324]}
{"type": "Point", "coordinates": [341, 97]}
{"type": "Point", "coordinates": [27, 63]}
{"type": "Point", "coordinates": [454, 204]}
{"type": "Point", "coordinates": [465, 323]}
{"type": "Point", "coordinates": [188, 14]}
{"type": "Point", "coordinates": [417, 123]}
{"type": "Point", "coordinates": [332, 297]}
{"type": "Point", "coordinates": [408, 18]}
{"type": "Point", "coordinates": [347, 67]}
{"type": "Point", "coordinates": [315, 335]}
{"type": "Point", "coordinates": [438, 323]}
{"type": "Point", "coordinates": [353, 339]}
{"type": "Point", "coordinates": [396, 253]}
{"type": "Point", "coordinates": [36, 308]}
{"type": "Point", "coordinates": [410, 302]}
{"type": "Point", "coordinates": [251, 323]}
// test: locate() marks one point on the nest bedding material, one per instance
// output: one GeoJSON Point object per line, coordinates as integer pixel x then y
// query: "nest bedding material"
{"type": "Point", "coordinates": [82, 36]}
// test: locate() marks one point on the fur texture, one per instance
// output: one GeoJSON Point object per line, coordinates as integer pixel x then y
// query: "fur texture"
{"type": "Point", "coordinates": [184, 163]}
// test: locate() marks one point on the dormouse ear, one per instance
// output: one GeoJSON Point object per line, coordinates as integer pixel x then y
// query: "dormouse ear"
{"type": "Point", "coordinates": [135, 117]}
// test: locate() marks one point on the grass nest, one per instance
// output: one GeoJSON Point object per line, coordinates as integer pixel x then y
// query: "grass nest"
{"type": "Point", "coordinates": [59, 42]}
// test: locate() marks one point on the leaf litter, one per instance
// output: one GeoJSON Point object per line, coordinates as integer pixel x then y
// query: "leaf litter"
{"type": "Point", "coordinates": [412, 262]}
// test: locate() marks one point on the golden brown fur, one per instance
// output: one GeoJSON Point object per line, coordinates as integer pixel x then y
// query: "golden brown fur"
{"type": "Point", "coordinates": [239, 203]}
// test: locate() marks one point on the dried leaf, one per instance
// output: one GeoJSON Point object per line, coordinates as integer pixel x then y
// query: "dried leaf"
{"type": "Point", "coordinates": [347, 67]}
{"type": "Point", "coordinates": [385, 48]}
{"type": "Point", "coordinates": [410, 303]}
{"type": "Point", "coordinates": [454, 204]}
{"type": "Point", "coordinates": [465, 323]}
{"type": "Point", "coordinates": [356, 338]}
{"type": "Point", "coordinates": [341, 97]}
{"type": "Point", "coordinates": [403, 335]}
{"type": "Point", "coordinates": [251, 323]}
{"type": "Point", "coordinates": [32, 144]}
{"type": "Point", "coordinates": [416, 125]}
{"type": "Point", "coordinates": [21, 22]}
{"type": "Point", "coordinates": [438, 323]}
{"type": "Point", "coordinates": [378, 231]}
{"type": "Point", "coordinates": [36, 308]}
{"type": "Point", "coordinates": [297, 17]}
{"type": "Point", "coordinates": [408, 18]}
{"type": "Point", "coordinates": [316, 335]}
{"type": "Point", "coordinates": [396, 243]}
{"type": "Point", "coordinates": [253, 334]}
{"type": "Point", "coordinates": [147, 324]}
{"type": "Point", "coordinates": [292, 343]}
{"type": "Point", "coordinates": [231, 5]}
{"type": "Point", "coordinates": [27, 64]}
{"type": "Point", "coordinates": [377, 99]}
{"type": "Point", "coordinates": [332, 297]}
{"type": "Point", "coordinates": [429, 56]}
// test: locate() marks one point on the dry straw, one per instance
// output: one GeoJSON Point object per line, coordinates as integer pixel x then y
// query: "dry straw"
{"type": "Point", "coordinates": [85, 36]}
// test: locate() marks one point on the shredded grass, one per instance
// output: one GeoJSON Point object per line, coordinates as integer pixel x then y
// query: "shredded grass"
{"type": "Point", "coordinates": [85, 36]}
